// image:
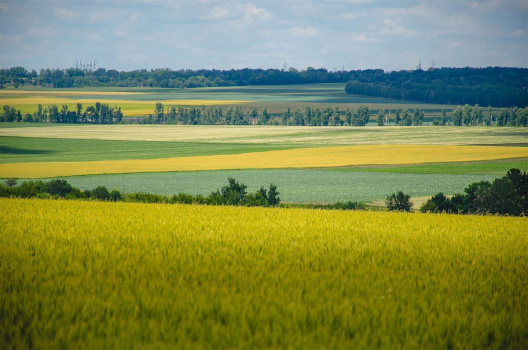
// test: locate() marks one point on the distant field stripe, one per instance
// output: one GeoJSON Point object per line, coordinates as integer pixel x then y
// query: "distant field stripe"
{"type": "Point", "coordinates": [294, 158]}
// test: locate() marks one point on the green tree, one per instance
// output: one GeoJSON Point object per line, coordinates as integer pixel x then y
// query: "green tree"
{"type": "Point", "coordinates": [456, 116]}
{"type": "Point", "coordinates": [399, 202]}
{"type": "Point", "coordinates": [397, 117]}
{"type": "Point", "coordinates": [466, 114]}
{"type": "Point", "coordinates": [264, 117]}
{"type": "Point", "coordinates": [443, 121]}
{"type": "Point", "coordinates": [381, 118]}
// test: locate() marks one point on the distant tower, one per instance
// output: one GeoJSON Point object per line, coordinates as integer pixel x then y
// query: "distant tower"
{"type": "Point", "coordinates": [419, 67]}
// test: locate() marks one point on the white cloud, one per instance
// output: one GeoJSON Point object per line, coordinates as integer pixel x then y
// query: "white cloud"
{"type": "Point", "coordinates": [393, 28]}
{"type": "Point", "coordinates": [216, 14]}
{"type": "Point", "coordinates": [252, 12]}
{"type": "Point", "coordinates": [248, 12]}
{"type": "Point", "coordinates": [63, 13]}
{"type": "Point", "coordinates": [304, 32]}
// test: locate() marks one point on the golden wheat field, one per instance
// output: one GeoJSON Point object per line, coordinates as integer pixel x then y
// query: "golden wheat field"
{"type": "Point", "coordinates": [293, 158]}
{"type": "Point", "coordinates": [125, 275]}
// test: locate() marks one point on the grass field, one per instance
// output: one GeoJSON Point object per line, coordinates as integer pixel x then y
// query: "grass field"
{"type": "Point", "coordinates": [292, 158]}
{"type": "Point", "coordinates": [98, 275]}
{"type": "Point", "coordinates": [299, 186]}
{"type": "Point", "coordinates": [28, 149]}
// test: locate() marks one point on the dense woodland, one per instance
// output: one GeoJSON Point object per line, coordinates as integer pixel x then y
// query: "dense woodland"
{"type": "Point", "coordinates": [102, 113]}
{"type": "Point", "coordinates": [498, 87]}
{"type": "Point", "coordinates": [492, 86]}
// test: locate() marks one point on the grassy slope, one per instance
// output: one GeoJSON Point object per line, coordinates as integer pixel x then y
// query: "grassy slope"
{"type": "Point", "coordinates": [127, 275]}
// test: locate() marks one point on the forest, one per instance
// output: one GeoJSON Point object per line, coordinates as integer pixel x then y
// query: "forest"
{"type": "Point", "coordinates": [492, 86]}
{"type": "Point", "coordinates": [497, 87]}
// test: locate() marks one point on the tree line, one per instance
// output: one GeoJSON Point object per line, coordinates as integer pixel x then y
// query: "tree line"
{"type": "Point", "coordinates": [492, 86]}
{"type": "Point", "coordinates": [507, 195]}
{"type": "Point", "coordinates": [168, 78]}
{"type": "Point", "coordinates": [234, 115]}
{"type": "Point", "coordinates": [100, 113]}
{"type": "Point", "coordinates": [234, 193]}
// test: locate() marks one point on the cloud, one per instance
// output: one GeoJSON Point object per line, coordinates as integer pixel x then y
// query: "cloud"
{"type": "Point", "coordinates": [304, 32]}
{"type": "Point", "coordinates": [252, 12]}
{"type": "Point", "coordinates": [63, 13]}
{"type": "Point", "coordinates": [216, 14]}
{"type": "Point", "coordinates": [248, 12]}
{"type": "Point", "coordinates": [392, 28]}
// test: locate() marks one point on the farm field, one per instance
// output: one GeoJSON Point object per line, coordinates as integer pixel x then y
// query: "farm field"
{"type": "Point", "coordinates": [230, 277]}
{"type": "Point", "coordinates": [348, 175]}
{"type": "Point", "coordinates": [141, 101]}
{"type": "Point", "coordinates": [299, 186]}
{"type": "Point", "coordinates": [280, 159]}
{"type": "Point", "coordinates": [291, 135]}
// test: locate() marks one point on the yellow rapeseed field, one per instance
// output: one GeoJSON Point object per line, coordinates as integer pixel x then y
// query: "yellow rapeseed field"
{"type": "Point", "coordinates": [294, 158]}
{"type": "Point", "coordinates": [125, 275]}
{"type": "Point", "coordinates": [129, 107]}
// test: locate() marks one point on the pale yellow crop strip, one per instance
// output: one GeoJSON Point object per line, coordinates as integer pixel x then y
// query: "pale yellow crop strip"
{"type": "Point", "coordinates": [294, 158]}
{"type": "Point", "coordinates": [45, 101]}
{"type": "Point", "coordinates": [64, 93]}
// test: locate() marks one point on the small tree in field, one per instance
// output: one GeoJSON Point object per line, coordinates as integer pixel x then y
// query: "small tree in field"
{"type": "Point", "coordinates": [399, 202]}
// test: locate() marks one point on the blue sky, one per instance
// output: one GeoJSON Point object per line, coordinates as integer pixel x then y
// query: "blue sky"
{"type": "Point", "coordinates": [354, 34]}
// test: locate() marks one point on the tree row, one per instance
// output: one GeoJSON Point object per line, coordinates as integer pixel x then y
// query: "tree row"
{"type": "Point", "coordinates": [327, 116]}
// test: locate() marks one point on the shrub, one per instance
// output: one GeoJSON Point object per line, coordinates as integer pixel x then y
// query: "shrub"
{"type": "Point", "coordinates": [399, 202]}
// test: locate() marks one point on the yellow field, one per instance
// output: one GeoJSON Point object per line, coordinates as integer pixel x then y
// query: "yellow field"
{"type": "Point", "coordinates": [293, 158]}
{"type": "Point", "coordinates": [99, 275]}
{"type": "Point", "coordinates": [66, 93]}
{"type": "Point", "coordinates": [129, 108]}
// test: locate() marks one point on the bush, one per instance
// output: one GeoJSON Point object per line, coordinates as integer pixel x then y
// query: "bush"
{"type": "Point", "coordinates": [101, 193]}
{"type": "Point", "coordinates": [399, 202]}
{"type": "Point", "coordinates": [58, 187]}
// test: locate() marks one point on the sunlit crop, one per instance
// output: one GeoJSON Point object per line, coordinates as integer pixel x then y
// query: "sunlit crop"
{"type": "Point", "coordinates": [292, 158]}
{"type": "Point", "coordinates": [123, 275]}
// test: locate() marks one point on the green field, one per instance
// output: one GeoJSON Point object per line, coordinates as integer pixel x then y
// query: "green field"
{"type": "Point", "coordinates": [27, 149]}
{"type": "Point", "coordinates": [302, 186]}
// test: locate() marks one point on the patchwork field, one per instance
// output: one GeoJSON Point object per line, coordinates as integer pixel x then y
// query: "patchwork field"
{"type": "Point", "coordinates": [293, 158]}
{"type": "Point", "coordinates": [141, 101]}
{"type": "Point", "coordinates": [227, 277]}
{"type": "Point", "coordinates": [353, 172]}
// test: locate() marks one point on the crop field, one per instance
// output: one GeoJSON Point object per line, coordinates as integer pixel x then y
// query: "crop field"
{"type": "Point", "coordinates": [294, 185]}
{"type": "Point", "coordinates": [290, 135]}
{"type": "Point", "coordinates": [292, 158]}
{"type": "Point", "coordinates": [141, 101]}
{"type": "Point", "coordinates": [302, 152]}
{"type": "Point", "coordinates": [228, 277]}
{"type": "Point", "coordinates": [29, 149]}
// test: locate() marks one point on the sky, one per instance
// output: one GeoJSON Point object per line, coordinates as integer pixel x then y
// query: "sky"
{"type": "Point", "coordinates": [234, 34]}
